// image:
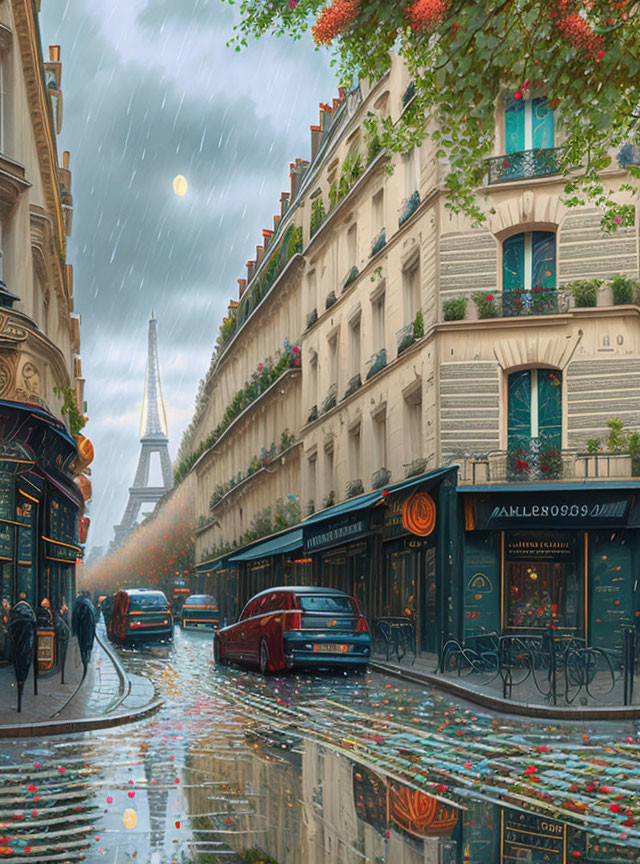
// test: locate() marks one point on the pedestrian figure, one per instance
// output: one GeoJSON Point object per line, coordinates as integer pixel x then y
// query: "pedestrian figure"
{"type": "Point", "coordinates": [22, 623]}
{"type": "Point", "coordinates": [63, 634]}
{"type": "Point", "coordinates": [83, 624]}
{"type": "Point", "coordinates": [5, 636]}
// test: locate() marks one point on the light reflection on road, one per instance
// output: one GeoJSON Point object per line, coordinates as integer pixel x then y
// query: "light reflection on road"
{"type": "Point", "coordinates": [324, 768]}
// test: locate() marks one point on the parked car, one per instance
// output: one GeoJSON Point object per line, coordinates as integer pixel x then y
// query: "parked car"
{"type": "Point", "coordinates": [140, 613]}
{"type": "Point", "coordinates": [286, 628]}
{"type": "Point", "coordinates": [200, 611]}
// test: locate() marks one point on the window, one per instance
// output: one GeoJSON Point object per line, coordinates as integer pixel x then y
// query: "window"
{"type": "Point", "coordinates": [413, 423]}
{"type": "Point", "coordinates": [529, 125]}
{"type": "Point", "coordinates": [352, 247]}
{"type": "Point", "coordinates": [311, 291]}
{"type": "Point", "coordinates": [312, 476]}
{"type": "Point", "coordinates": [325, 603]}
{"type": "Point", "coordinates": [354, 346]}
{"type": "Point", "coordinates": [333, 359]}
{"type": "Point", "coordinates": [328, 470]}
{"type": "Point", "coordinates": [529, 274]}
{"type": "Point", "coordinates": [377, 212]}
{"type": "Point", "coordinates": [378, 312]}
{"type": "Point", "coordinates": [410, 162]}
{"type": "Point", "coordinates": [313, 377]}
{"type": "Point", "coordinates": [534, 413]}
{"type": "Point", "coordinates": [380, 439]}
{"type": "Point", "coordinates": [411, 290]}
{"type": "Point", "coordinates": [355, 460]}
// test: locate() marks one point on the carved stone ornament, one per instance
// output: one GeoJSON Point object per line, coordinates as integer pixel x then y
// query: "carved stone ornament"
{"type": "Point", "coordinates": [8, 365]}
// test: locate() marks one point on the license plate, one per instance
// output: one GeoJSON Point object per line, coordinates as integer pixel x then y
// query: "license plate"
{"type": "Point", "coordinates": [330, 648]}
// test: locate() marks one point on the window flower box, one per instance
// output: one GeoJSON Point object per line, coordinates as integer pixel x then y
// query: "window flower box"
{"type": "Point", "coordinates": [380, 478]}
{"type": "Point", "coordinates": [415, 467]}
{"type": "Point", "coordinates": [331, 299]}
{"type": "Point", "coordinates": [313, 414]}
{"type": "Point", "coordinates": [312, 317]}
{"type": "Point", "coordinates": [409, 208]}
{"type": "Point", "coordinates": [379, 243]}
{"type": "Point", "coordinates": [354, 487]}
{"type": "Point", "coordinates": [352, 275]}
{"type": "Point", "coordinates": [377, 362]}
{"type": "Point", "coordinates": [354, 384]}
{"type": "Point", "coordinates": [330, 400]}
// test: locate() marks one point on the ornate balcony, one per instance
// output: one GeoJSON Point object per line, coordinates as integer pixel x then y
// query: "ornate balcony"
{"type": "Point", "coordinates": [538, 464]}
{"type": "Point", "coordinates": [523, 165]}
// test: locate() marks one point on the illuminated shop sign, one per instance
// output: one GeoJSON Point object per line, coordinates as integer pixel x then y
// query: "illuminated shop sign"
{"type": "Point", "coordinates": [560, 510]}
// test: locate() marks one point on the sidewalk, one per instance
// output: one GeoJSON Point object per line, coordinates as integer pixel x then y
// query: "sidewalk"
{"type": "Point", "coordinates": [107, 697]}
{"type": "Point", "coordinates": [486, 691]}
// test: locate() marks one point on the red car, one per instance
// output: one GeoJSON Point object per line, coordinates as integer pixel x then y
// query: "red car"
{"type": "Point", "coordinates": [283, 628]}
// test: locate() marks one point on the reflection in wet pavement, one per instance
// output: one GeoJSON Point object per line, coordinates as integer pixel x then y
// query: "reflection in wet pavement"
{"type": "Point", "coordinates": [325, 769]}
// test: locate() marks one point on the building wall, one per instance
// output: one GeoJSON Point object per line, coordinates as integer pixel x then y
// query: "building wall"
{"type": "Point", "coordinates": [442, 395]}
{"type": "Point", "coordinates": [33, 222]}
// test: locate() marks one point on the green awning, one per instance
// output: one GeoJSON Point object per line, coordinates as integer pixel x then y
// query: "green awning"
{"type": "Point", "coordinates": [276, 546]}
{"type": "Point", "coordinates": [371, 498]}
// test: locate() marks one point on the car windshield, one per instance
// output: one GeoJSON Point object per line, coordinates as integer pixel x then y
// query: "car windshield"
{"type": "Point", "coordinates": [200, 600]}
{"type": "Point", "coordinates": [325, 603]}
{"type": "Point", "coordinates": [147, 601]}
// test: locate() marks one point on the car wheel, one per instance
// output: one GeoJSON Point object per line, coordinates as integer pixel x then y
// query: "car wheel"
{"type": "Point", "coordinates": [264, 657]}
{"type": "Point", "coordinates": [217, 653]}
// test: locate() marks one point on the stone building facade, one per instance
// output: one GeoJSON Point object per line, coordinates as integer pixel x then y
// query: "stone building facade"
{"type": "Point", "coordinates": [41, 383]}
{"type": "Point", "coordinates": [510, 350]}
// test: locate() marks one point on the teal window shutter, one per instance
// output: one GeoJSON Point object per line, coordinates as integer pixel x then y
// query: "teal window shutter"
{"type": "Point", "coordinates": [519, 410]}
{"type": "Point", "coordinates": [513, 263]}
{"type": "Point", "coordinates": [550, 406]}
{"type": "Point", "coordinates": [543, 124]}
{"type": "Point", "coordinates": [543, 260]}
{"type": "Point", "coordinates": [514, 125]}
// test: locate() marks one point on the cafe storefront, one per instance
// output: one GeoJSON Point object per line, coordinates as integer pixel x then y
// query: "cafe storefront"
{"type": "Point", "coordinates": [552, 556]}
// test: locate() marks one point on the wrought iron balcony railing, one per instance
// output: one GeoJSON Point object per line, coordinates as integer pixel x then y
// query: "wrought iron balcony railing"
{"type": "Point", "coordinates": [524, 164]}
{"type": "Point", "coordinates": [542, 465]}
{"type": "Point", "coordinates": [508, 304]}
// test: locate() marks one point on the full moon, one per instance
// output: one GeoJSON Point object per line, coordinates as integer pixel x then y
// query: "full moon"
{"type": "Point", "coordinates": [180, 185]}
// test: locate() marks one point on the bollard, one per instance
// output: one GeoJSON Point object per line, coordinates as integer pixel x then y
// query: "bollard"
{"type": "Point", "coordinates": [22, 625]}
{"type": "Point", "coordinates": [83, 624]}
{"type": "Point", "coordinates": [629, 661]}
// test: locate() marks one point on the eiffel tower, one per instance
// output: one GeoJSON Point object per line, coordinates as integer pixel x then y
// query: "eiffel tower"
{"type": "Point", "coordinates": [154, 438]}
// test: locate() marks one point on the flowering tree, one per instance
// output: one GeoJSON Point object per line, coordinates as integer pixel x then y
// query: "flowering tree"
{"type": "Point", "coordinates": [465, 54]}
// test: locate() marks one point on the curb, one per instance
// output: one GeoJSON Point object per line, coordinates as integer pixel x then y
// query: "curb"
{"type": "Point", "coordinates": [87, 724]}
{"type": "Point", "coordinates": [125, 682]}
{"type": "Point", "coordinates": [504, 706]}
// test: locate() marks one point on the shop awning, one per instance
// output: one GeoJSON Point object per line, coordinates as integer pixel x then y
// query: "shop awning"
{"type": "Point", "coordinates": [372, 498]}
{"type": "Point", "coordinates": [276, 546]}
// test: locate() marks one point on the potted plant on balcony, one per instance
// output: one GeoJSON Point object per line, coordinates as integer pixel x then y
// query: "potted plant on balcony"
{"type": "Point", "coordinates": [618, 458]}
{"type": "Point", "coordinates": [354, 487]}
{"type": "Point", "coordinates": [454, 309]}
{"type": "Point", "coordinates": [415, 467]}
{"type": "Point", "coordinates": [550, 463]}
{"type": "Point", "coordinates": [518, 464]}
{"type": "Point", "coordinates": [380, 478]}
{"type": "Point", "coordinates": [485, 304]}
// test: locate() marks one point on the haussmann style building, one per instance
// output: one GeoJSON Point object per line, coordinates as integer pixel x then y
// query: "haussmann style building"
{"type": "Point", "coordinates": [42, 491]}
{"type": "Point", "coordinates": [439, 418]}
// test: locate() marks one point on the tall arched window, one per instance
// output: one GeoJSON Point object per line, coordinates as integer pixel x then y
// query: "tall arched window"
{"type": "Point", "coordinates": [529, 273]}
{"type": "Point", "coordinates": [534, 423]}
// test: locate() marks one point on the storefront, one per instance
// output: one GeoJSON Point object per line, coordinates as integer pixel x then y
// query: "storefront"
{"type": "Point", "coordinates": [39, 515]}
{"type": "Point", "coordinates": [545, 556]}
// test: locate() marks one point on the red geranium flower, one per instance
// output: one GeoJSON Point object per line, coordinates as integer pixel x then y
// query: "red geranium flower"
{"type": "Point", "coordinates": [333, 19]}
{"type": "Point", "coordinates": [426, 14]}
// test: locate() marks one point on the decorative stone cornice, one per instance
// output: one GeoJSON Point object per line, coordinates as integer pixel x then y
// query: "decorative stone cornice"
{"type": "Point", "coordinates": [28, 37]}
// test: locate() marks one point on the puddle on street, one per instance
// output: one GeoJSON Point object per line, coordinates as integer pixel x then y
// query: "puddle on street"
{"type": "Point", "coordinates": [315, 769]}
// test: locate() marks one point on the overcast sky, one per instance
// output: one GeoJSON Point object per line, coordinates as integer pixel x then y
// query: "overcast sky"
{"type": "Point", "coordinates": [151, 91]}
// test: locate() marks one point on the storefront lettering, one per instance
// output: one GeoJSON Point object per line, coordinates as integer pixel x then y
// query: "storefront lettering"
{"type": "Point", "coordinates": [609, 510]}
{"type": "Point", "coordinates": [336, 535]}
